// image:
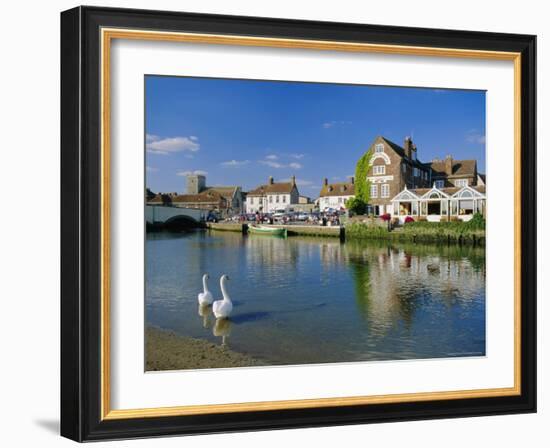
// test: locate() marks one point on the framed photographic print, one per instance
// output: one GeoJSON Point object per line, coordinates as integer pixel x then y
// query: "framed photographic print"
{"type": "Point", "coordinates": [274, 223]}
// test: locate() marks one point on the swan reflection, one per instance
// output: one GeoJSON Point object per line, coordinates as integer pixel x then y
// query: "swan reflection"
{"type": "Point", "coordinates": [205, 311]}
{"type": "Point", "coordinates": [222, 328]}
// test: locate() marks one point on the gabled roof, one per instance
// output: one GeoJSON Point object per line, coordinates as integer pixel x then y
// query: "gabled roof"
{"type": "Point", "coordinates": [338, 189]}
{"type": "Point", "coordinates": [227, 192]}
{"type": "Point", "coordinates": [205, 197]}
{"type": "Point", "coordinates": [434, 190]}
{"type": "Point", "coordinates": [408, 195]}
{"type": "Point", "coordinates": [401, 153]}
{"type": "Point", "coordinates": [422, 193]}
{"type": "Point", "coordinates": [274, 188]}
{"type": "Point", "coordinates": [478, 191]}
{"type": "Point", "coordinates": [160, 198]}
{"type": "Point", "coordinates": [459, 168]}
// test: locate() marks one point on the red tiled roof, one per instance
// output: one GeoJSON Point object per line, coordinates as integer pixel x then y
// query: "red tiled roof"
{"type": "Point", "coordinates": [277, 187]}
{"type": "Point", "coordinates": [338, 189]}
{"type": "Point", "coordinates": [459, 168]}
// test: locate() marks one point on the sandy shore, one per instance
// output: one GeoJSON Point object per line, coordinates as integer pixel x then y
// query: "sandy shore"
{"type": "Point", "coordinates": [165, 350]}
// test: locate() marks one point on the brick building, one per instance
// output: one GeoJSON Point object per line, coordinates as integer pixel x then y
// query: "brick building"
{"type": "Point", "coordinates": [224, 200]}
{"type": "Point", "coordinates": [396, 168]}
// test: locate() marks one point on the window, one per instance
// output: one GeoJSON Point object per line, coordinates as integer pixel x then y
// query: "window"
{"type": "Point", "coordinates": [277, 199]}
{"type": "Point", "coordinates": [379, 147]}
{"type": "Point", "coordinates": [374, 191]}
{"type": "Point", "coordinates": [284, 198]}
{"type": "Point", "coordinates": [404, 168]}
{"type": "Point", "coordinates": [415, 172]}
{"type": "Point", "coordinates": [385, 192]}
{"type": "Point", "coordinates": [461, 182]}
{"type": "Point", "coordinates": [439, 183]}
{"type": "Point", "coordinates": [379, 169]}
{"type": "Point", "coordinates": [270, 198]}
{"type": "Point", "coordinates": [340, 200]}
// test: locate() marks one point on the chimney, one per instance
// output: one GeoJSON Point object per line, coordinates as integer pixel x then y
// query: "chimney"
{"type": "Point", "coordinates": [408, 146]}
{"type": "Point", "coordinates": [449, 165]}
{"type": "Point", "coordinates": [270, 180]}
{"type": "Point", "coordinates": [293, 180]}
{"type": "Point", "coordinates": [352, 180]}
{"type": "Point", "coordinates": [325, 181]}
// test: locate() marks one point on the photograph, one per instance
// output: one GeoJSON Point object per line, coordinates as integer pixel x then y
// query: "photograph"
{"type": "Point", "coordinates": [295, 223]}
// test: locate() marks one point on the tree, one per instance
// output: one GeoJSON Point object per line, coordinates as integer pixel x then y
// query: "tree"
{"type": "Point", "coordinates": [362, 184]}
{"type": "Point", "coordinates": [358, 204]}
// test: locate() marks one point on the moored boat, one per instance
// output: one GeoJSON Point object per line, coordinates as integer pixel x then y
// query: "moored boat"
{"type": "Point", "coordinates": [265, 230]}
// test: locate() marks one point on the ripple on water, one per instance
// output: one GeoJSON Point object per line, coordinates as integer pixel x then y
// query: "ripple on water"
{"type": "Point", "coordinates": [308, 300]}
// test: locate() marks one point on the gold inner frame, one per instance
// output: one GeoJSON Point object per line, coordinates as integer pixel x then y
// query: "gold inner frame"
{"type": "Point", "coordinates": [107, 35]}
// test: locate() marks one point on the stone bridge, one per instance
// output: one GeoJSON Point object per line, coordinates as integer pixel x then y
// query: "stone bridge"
{"type": "Point", "coordinates": [165, 216]}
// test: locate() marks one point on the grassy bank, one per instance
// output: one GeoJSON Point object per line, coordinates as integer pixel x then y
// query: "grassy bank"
{"type": "Point", "coordinates": [471, 232]}
{"type": "Point", "coordinates": [165, 350]}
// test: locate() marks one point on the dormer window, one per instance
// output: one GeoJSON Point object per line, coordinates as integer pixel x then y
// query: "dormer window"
{"type": "Point", "coordinates": [379, 169]}
{"type": "Point", "coordinates": [379, 147]}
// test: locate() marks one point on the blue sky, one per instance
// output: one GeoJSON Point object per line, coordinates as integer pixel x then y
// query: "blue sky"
{"type": "Point", "coordinates": [240, 132]}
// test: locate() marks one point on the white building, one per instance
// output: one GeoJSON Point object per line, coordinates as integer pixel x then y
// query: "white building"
{"type": "Point", "coordinates": [272, 197]}
{"type": "Point", "coordinates": [437, 203]}
{"type": "Point", "coordinates": [335, 195]}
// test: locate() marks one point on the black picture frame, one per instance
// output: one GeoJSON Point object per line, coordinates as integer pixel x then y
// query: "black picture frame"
{"type": "Point", "coordinates": [81, 223]}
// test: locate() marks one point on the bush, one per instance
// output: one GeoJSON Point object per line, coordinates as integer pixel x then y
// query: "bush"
{"type": "Point", "coordinates": [360, 230]}
{"type": "Point", "coordinates": [409, 219]}
{"type": "Point", "coordinates": [356, 205]}
{"type": "Point", "coordinates": [385, 217]}
{"type": "Point", "coordinates": [476, 223]}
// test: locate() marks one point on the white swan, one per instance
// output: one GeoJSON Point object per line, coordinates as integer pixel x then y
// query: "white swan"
{"type": "Point", "coordinates": [205, 297]}
{"type": "Point", "coordinates": [222, 308]}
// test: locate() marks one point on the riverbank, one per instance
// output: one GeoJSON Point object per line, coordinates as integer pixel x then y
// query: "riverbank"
{"type": "Point", "coordinates": [423, 232]}
{"type": "Point", "coordinates": [165, 350]}
{"type": "Point", "coordinates": [292, 230]}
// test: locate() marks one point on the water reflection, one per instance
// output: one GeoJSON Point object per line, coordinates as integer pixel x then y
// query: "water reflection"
{"type": "Point", "coordinates": [205, 311]}
{"type": "Point", "coordinates": [303, 300]}
{"type": "Point", "coordinates": [222, 328]}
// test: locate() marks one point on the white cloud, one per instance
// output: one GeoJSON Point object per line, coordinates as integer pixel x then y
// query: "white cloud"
{"type": "Point", "coordinates": [278, 165]}
{"type": "Point", "coordinates": [151, 169]}
{"type": "Point", "coordinates": [235, 163]}
{"type": "Point", "coordinates": [332, 123]}
{"type": "Point", "coordinates": [473, 136]}
{"type": "Point", "coordinates": [168, 145]}
{"type": "Point", "coordinates": [297, 156]}
{"type": "Point", "coordinates": [188, 172]}
{"type": "Point", "coordinates": [272, 157]}
{"type": "Point", "coordinates": [272, 164]}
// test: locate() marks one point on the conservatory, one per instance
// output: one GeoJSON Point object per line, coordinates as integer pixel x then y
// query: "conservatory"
{"type": "Point", "coordinates": [435, 203]}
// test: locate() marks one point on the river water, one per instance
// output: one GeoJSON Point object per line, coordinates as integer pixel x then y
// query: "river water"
{"type": "Point", "coordinates": [318, 300]}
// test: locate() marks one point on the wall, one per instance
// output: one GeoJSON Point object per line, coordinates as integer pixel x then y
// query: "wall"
{"type": "Point", "coordinates": [29, 320]}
